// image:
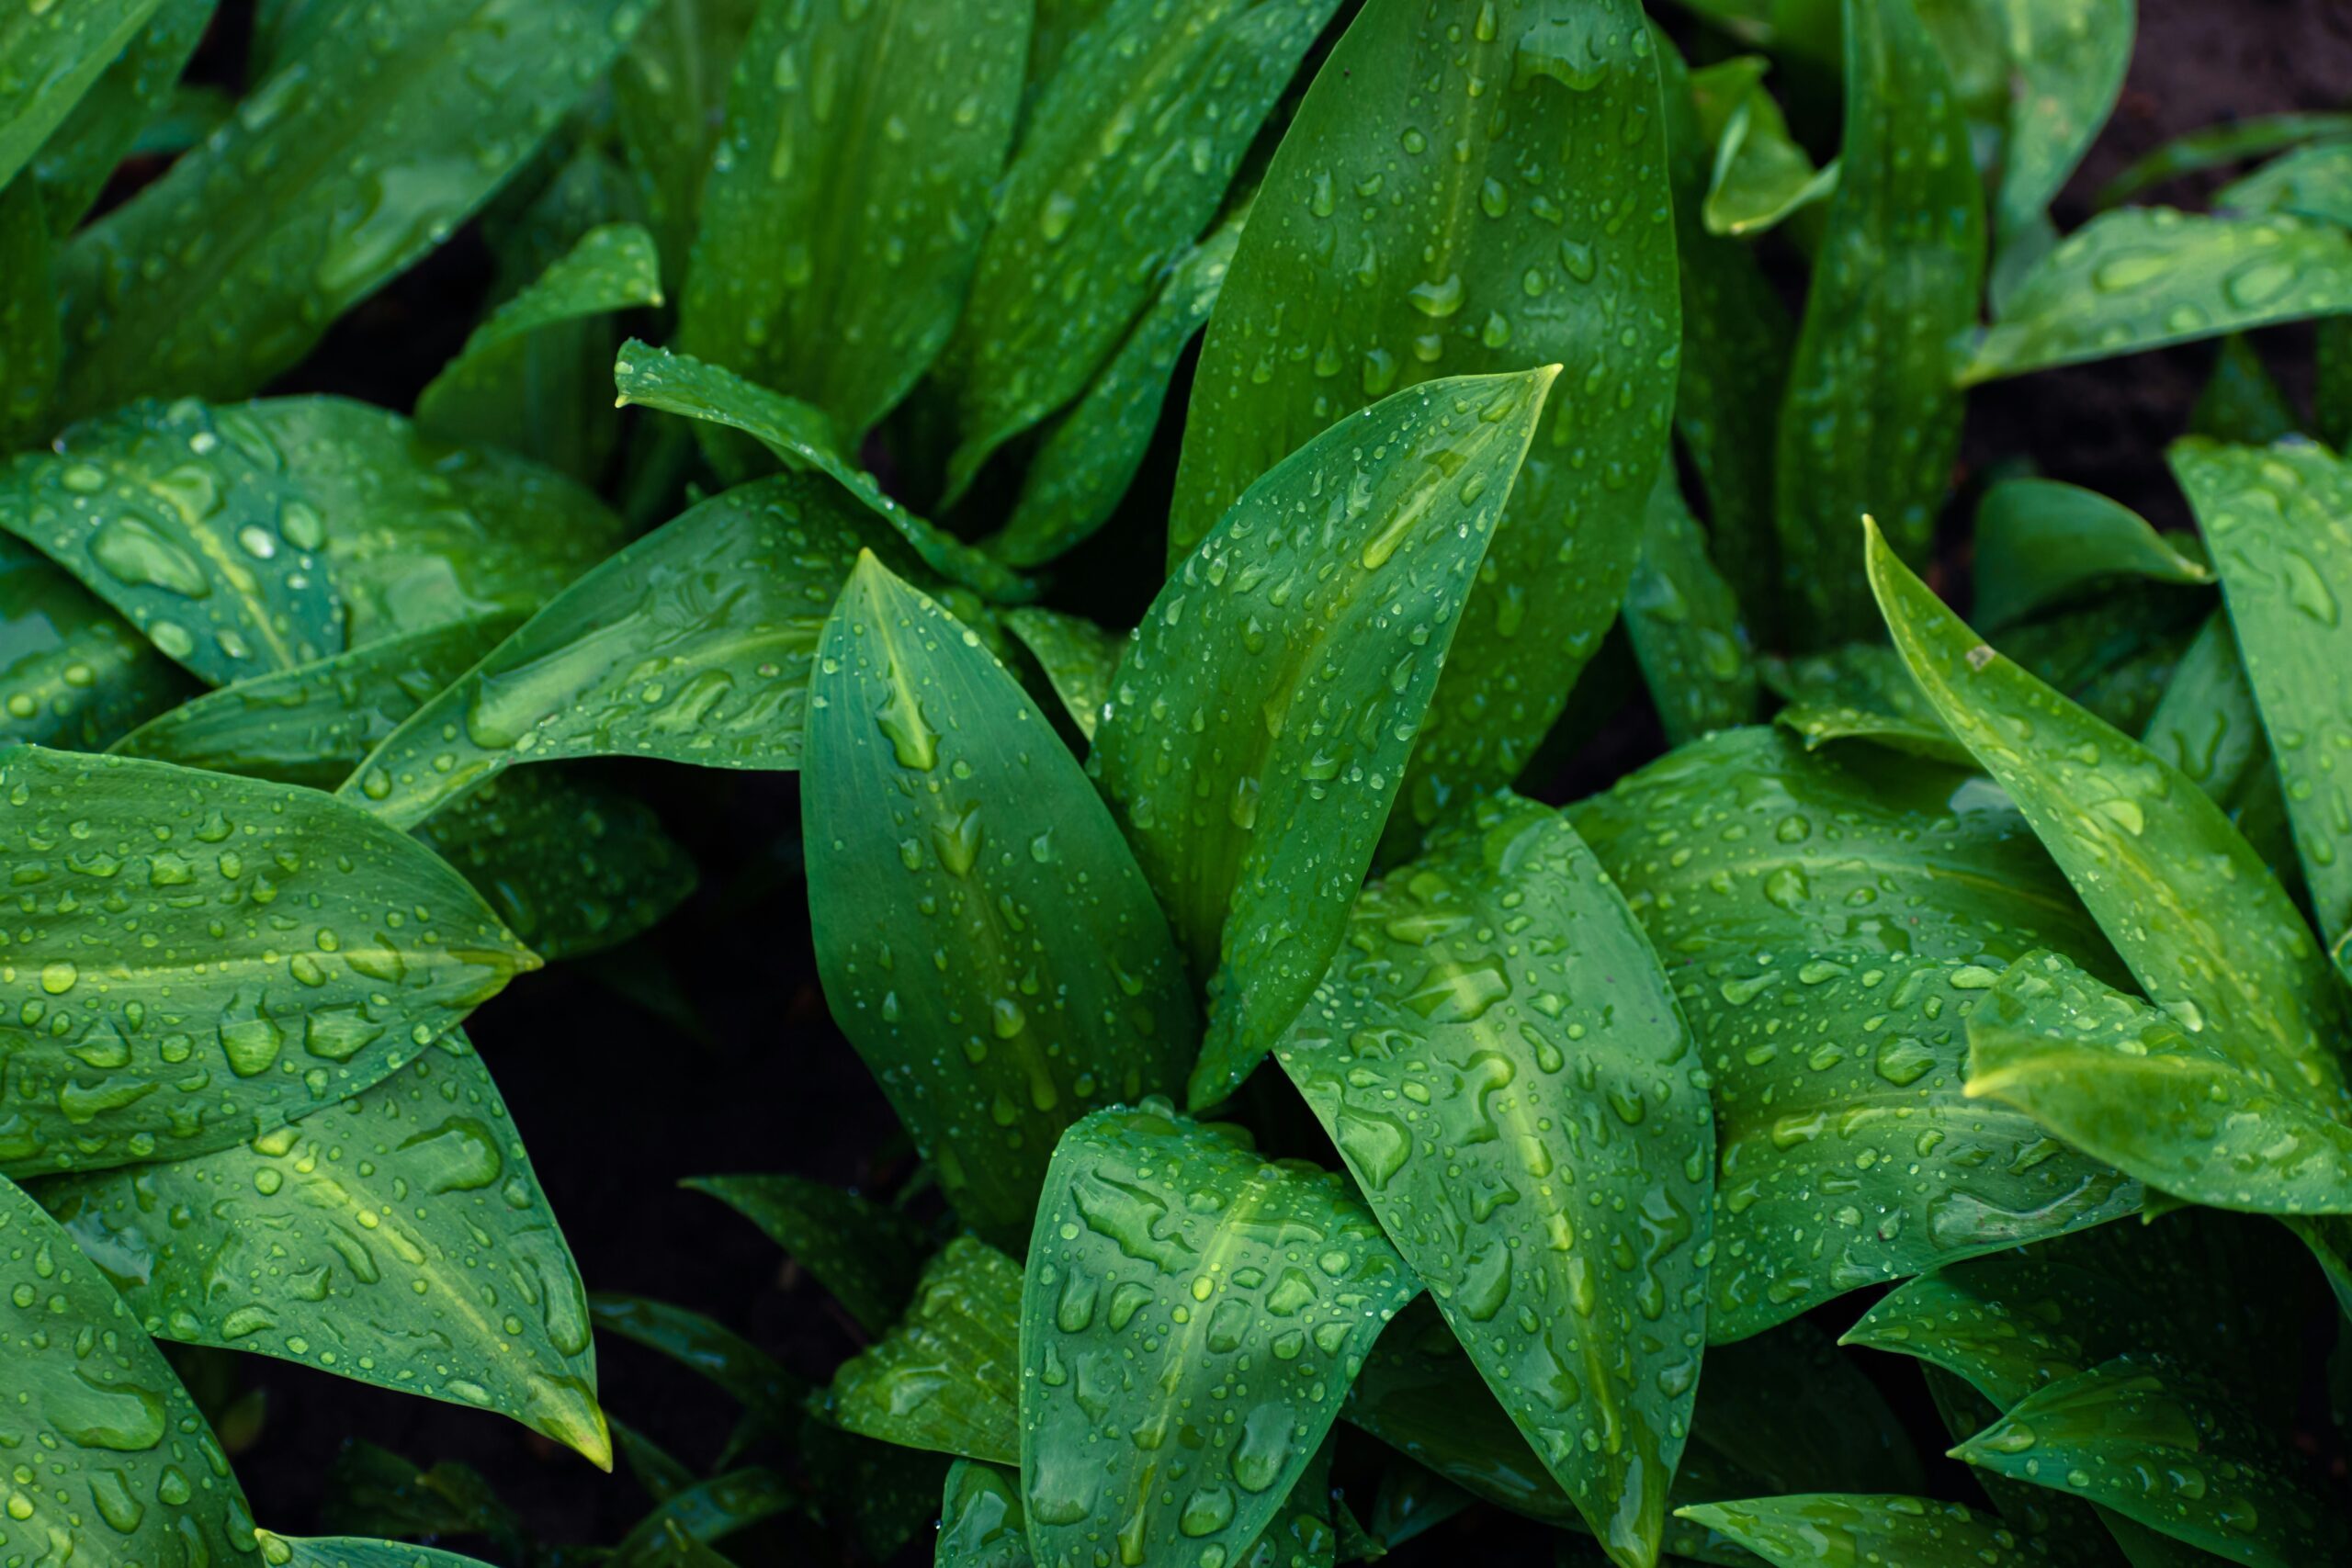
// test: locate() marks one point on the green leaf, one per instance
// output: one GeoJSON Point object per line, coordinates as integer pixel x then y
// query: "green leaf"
{"type": "Point", "coordinates": [310, 724]}
{"type": "Point", "coordinates": [2172, 1450]}
{"type": "Point", "coordinates": [2310, 182]}
{"type": "Point", "coordinates": [981, 1521]}
{"type": "Point", "coordinates": [1565, 1141]}
{"type": "Point", "coordinates": [740, 1370]}
{"type": "Point", "coordinates": [2039, 543]}
{"type": "Point", "coordinates": [2145, 277]}
{"type": "Point", "coordinates": [1872, 422]}
{"type": "Point", "coordinates": [72, 673]}
{"type": "Point", "coordinates": [1126, 158]}
{"type": "Point", "coordinates": [946, 1376]}
{"type": "Point", "coordinates": [1742, 842]}
{"type": "Point", "coordinates": [866, 1254]}
{"type": "Point", "coordinates": [116, 118]}
{"type": "Point", "coordinates": [31, 347]}
{"type": "Point", "coordinates": [1685, 626]}
{"type": "Point", "coordinates": [348, 1551]}
{"type": "Point", "coordinates": [669, 102]}
{"type": "Point", "coordinates": [2065, 63]}
{"type": "Point", "coordinates": [1077, 657]}
{"type": "Point", "coordinates": [399, 1239]}
{"type": "Point", "coordinates": [1180, 1286]}
{"type": "Point", "coordinates": [281, 936]}
{"type": "Point", "coordinates": [692, 645]}
{"type": "Point", "coordinates": [801, 436]}
{"type": "Point", "coordinates": [1848, 1153]}
{"type": "Point", "coordinates": [1761, 175]}
{"type": "Point", "coordinates": [707, 1511]}
{"type": "Point", "coordinates": [2276, 521]}
{"type": "Point", "coordinates": [662, 1475]}
{"type": "Point", "coordinates": [2204, 926]}
{"type": "Point", "coordinates": [941, 815]}
{"type": "Point", "coordinates": [55, 54]}
{"type": "Point", "coordinates": [2216, 146]}
{"type": "Point", "coordinates": [2240, 402]}
{"type": "Point", "coordinates": [366, 147]}
{"type": "Point", "coordinates": [372, 1491]}
{"type": "Point", "coordinates": [1825, 1529]}
{"type": "Point", "coordinates": [2208, 1115]}
{"type": "Point", "coordinates": [518, 386]}
{"type": "Point", "coordinates": [1450, 201]}
{"type": "Point", "coordinates": [2205, 724]}
{"type": "Point", "coordinates": [1090, 456]}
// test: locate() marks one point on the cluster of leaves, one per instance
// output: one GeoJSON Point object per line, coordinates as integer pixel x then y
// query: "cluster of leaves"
{"type": "Point", "coordinates": [1913, 963]}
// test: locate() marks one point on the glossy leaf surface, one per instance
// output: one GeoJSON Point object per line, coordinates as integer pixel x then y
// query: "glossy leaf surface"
{"type": "Point", "coordinates": [2218, 146]}
{"type": "Point", "coordinates": [1684, 623]}
{"type": "Point", "coordinates": [670, 103]}
{"type": "Point", "coordinates": [1079, 658]}
{"type": "Point", "coordinates": [72, 673]}
{"type": "Point", "coordinates": [2040, 542]}
{"type": "Point", "coordinates": [31, 347]}
{"type": "Point", "coordinates": [352, 1552]}
{"type": "Point", "coordinates": [866, 1254]}
{"type": "Point", "coordinates": [54, 55]}
{"type": "Point", "coordinates": [1830, 1528]}
{"type": "Point", "coordinates": [947, 1375]}
{"type": "Point", "coordinates": [2066, 59]}
{"type": "Point", "coordinates": [1761, 174]}
{"type": "Point", "coordinates": [122, 114]}
{"type": "Point", "coordinates": [942, 816]}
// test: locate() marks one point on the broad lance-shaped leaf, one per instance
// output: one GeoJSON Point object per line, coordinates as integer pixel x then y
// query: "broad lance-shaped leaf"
{"type": "Point", "coordinates": [866, 1254]}
{"type": "Point", "coordinates": [54, 54]}
{"type": "Point", "coordinates": [1192, 1316]}
{"type": "Point", "coordinates": [72, 673]}
{"type": "Point", "coordinates": [2204, 1114]}
{"type": "Point", "coordinates": [743, 1371]}
{"type": "Point", "coordinates": [399, 1239]}
{"type": "Point", "coordinates": [2040, 542]}
{"type": "Point", "coordinates": [378, 136]}
{"type": "Point", "coordinates": [848, 197]}
{"type": "Point", "coordinates": [2145, 277]}
{"type": "Point", "coordinates": [984, 935]}
{"type": "Point", "coordinates": [2205, 724]}
{"type": "Point", "coordinates": [801, 436]}
{"type": "Point", "coordinates": [2218, 146]}
{"type": "Point", "coordinates": [692, 645]}
{"type": "Point", "coordinates": [1848, 1152]}
{"type": "Point", "coordinates": [104, 1426]}
{"type": "Point", "coordinates": [947, 1375]}
{"type": "Point", "coordinates": [352, 1552]}
{"type": "Point", "coordinates": [1684, 623]}
{"type": "Point", "coordinates": [1089, 457]}
{"type": "Point", "coordinates": [2172, 1449]}
{"type": "Point", "coordinates": [981, 1524]}
{"type": "Point", "coordinates": [197, 959]}
{"type": "Point", "coordinates": [1872, 422]}
{"type": "Point", "coordinates": [31, 347]}
{"type": "Point", "coordinates": [1126, 156]}
{"type": "Point", "coordinates": [699, 1514]}
{"type": "Point", "coordinates": [1258, 726]}
{"type": "Point", "coordinates": [1761, 176]}
{"type": "Point", "coordinates": [2313, 181]}
{"type": "Point", "coordinates": [1499, 1059]}
{"type": "Point", "coordinates": [2280, 524]}
{"type": "Point", "coordinates": [1464, 193]}
{"type": "Point", "coordinates": [2067, 60]}
{"type": "Point", "coordinates": [117, 118]}
{"type": "Point", "coordinates": [2206, 929]}
{"type": "Point", "coordinates": [491, 393]}
{"type": "Point", "coordinates": [1842, 1528]}
{"type": "Point", "coordinates": [669, 102]}
{"type": "Point", "coordinates": [1079, 657]}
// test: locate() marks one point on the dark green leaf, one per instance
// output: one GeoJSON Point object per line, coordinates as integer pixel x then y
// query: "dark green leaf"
{"type": "Point", "coordinates": [2310, 182]}
{"type": "Point", "coordinates": [2065, 61]}
{"type": "Point", "coordinates": [981, 1521]}
{"type": "Point", "coordinates": [31, 347]}
{"type": "Point", "coordinates": [348, 1551]}
{"type": "Point", "coordinates": [2241, 402]}
{"type": "Point", "coordinates": [1823, 1529]}
{"type": "Point", "coordinates": [743, 1371]}
{"type": "Point", "coordinates": [2205, 724]}
{"type": "Point", "coordinates": [375, 1492]}
{"type": "Point", "coordinates": [2216, 146]}
{"type": "Point", "coordinates": [1788, 1411]}
{"type": "Point", "coordinates": [663, 1475]}
{"type": "Point", "coordinates": [115, 119]}
{"type": "Point", "coordinates": [669, 99]}
{"type": "Point", "coordinates": [1181, 1287]}
{"type": "Point", "coordinates": [72, 673]}
{"type": "Point", "coordinates": [1260, 725]}
{"type": "Point", "coordinates": [885, 1494]}
{"type": "Point", "coordinates": [1464, 193]}
{"type": "Point", "coordinates": [1685, 626]}
{"type": "Point", "coordinates": [1915, 734]}
{"type": "Point", "coordinates": [942, 815]}
{"type": "Point", "coordinates": [1761, 175]}
{"type": "Point", "coordinates": [1872, 422]}
{"type": "Point", "coordinates": [2039, 543]}
{"type": "Point", "coordinates": [55, 53]}
{"type": "Point", "coordinates": [1126, 156]}
{"type": "Point", "coordinates": [1558, 1206]}
{"type": "Point", "coordinates": [849, 195]}
{"type": "Point", "coordinates": [399, 1239]}
{"type": "Point", "coordinates": [707, 1511]}
{"type": "Point", "coordinates": [1077, 657]}
{"type": "Point", "coordinates": [947, 1375]}
{"type": "Point", "coordinates": [868, 1255]}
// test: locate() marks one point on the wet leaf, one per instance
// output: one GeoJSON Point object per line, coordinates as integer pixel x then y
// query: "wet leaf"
{"type": "Point", "coordinates": [1174, 1273]}
{"type": "Point", "coordinates": [1872, 422]}
{"type": "Point", "coordinates": [2065, 65]}
{"type": "Point", "coordinates": [1685, 624]}
{"type": "Point", "coordinates": [1917, 1532]}
{"type": "Point", "coordinates": [2205, 724]}
{"type": "Point", "coordinates": [848, 196]}
{"type": "Point", "coordinates": [372, 1491]}
{"type": "Point", "coordinates": [399, 1239]}
{"type": "Point", "coordinates": [1480, 192]}
{"type": "Point", "coordinates": [1761, 176]}
{"type": "Point", "coordinates": [350, 1551]}
{"type": "Point", "coordinates": [1077, 657]}
{"type": "Point", "coordinates": [1495, 1010]}
{"type": "Point", "coordinates": [802, 437]}
{"type": "Point", "coordinates": [692, 645]}
{"type": "Point", "coordinates": [941, 815]}
{"type": "Point", "coordinates": [707, 1511]}
{"type": "Point", "coordinates": [2039, 543]}
{"type": "Point", "coordinates": [72, 673]}
{"type": "Point", "coordinates": [30, 348]}
{"type": "Point", "coordinates": [362, 150]}
{"type": "Point", "coordinates": [669, 104]}
{"type": "Point", "coordinates": [1258, 726]}
{"type": "Point", "coordinates": [1127, 155]}
{"type": "Point", "coordinates": [2240, 402]}
{"type": "Point", "coordinates": [2215, 146]}
{"type": "Point", "coordinates": [981, 1521]}
{"type": "Point", "coordinates": [744, 1373]}
{"type": "Point", "coordinates": [2314, 181]}
{"type": "Point", "coordinates": [866, 1254]}
{"type": "Point", "coordinates": [2144, 276]}
{"type": "Point", "coordinates": [947, 1375]}
{"type": "Point", "coordinates": [55, 54]}
{"type": "Point", "coordinates": [135, 106]}
{"type": "Point", "coordinates": [2275, 520]}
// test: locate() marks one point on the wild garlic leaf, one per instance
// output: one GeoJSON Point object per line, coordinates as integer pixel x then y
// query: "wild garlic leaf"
{"type": "Point", "coordinates": [2172, 1449]}
{"type": "Point", "coordinates": [114, 117]}
{"type": "Point", "coordinates": [2218, 145]}
{"type": "Point", "coordinates": [72, 673]}
{"type": "Point", "coordinates": [941, 815]}
{"type": "Point", "coordinates": [1559, 1211]}
{"type": "Point", "coordinates": [738, 1368]}
{"type": "Point", "coordinates": [1174, 1271]}
{"type": "Point", "coordinates": [947, 1375]}
{"type": "Point", "coordinates": [2275, 520]}
{"type": "Point", "coordinates": [2241, 403]}
{"type": "Point", "coordinates": [2205, 724]}
{"type": "Point", "coordinates": [1685, 624]}
{"type": "Point", "coordinates": [801, 436]}
{"type": "Point", "coordinates": [2204, 926]}
{"type": "Point", "coordinates": [677, 1531]}
{"type": "Point", "coordinates": [31, 348]}
{"type": "Point", "coordinates": [1848, 1153]}
{"type": "Point", "coordinates": [2065, 61]}
{"type": "Point", "coordinates": [1477, 193]}
{"type": "Point", "coordinates": [2144, 276]}
{"type": "Point", "coordinates": [1917, 1532]}
{"type": "Point", "coordinates": [848, 196]}
{"type": "Point", "coordinates": [1872, 422]}
{"type": "Point", "coordinates": [981, 1521]}
{"type": "Point", "coordinates": [350, 1551]}
{"type": "Point", "coordinates": [1079, 658]}
{"type": "Point", "coordinates": [284, 938]}
{"type": "Point", "coordinates": [1913, 734]}
{"type": "Point", "coordinates": [2313, 181]}
{"type": "Point", "coordinates": [1090, 456]}
{"type": "Point", "coordinates": [692, 644]}
{"type": "Point", "coordinates": [1761, 175]}
{"type": "Point", "coordinates": [669, 104]}
{"type": "Point", "coordinates": [1260, 726]}
{"type": "Point", "coordinates": [55, 54]}
{"type": "Point", "coordinates": [866, 1254]}
{"type": "Point", "coordinates": [2040, 542]}
{"type": "Point", "coordinates": [399, 1237]}
{"type": "Point", "coordinates": [117, 1434]}
{"type": "Point", "coordinates": [1126, 157]}
{"type": "Point", "coordinates": [2208, 1114]}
